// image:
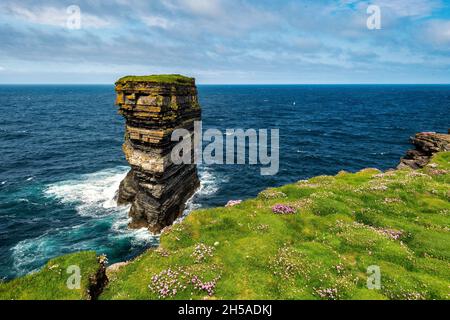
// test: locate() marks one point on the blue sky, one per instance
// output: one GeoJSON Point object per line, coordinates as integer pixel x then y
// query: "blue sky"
{"type": "Point", "coordinates": [226, 41]}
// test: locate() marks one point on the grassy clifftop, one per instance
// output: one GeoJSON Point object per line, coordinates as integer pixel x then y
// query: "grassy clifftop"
{"type": "Point", "coordinates": [397, 221]}
{"type": "Point", "coordinates": [51, 282]}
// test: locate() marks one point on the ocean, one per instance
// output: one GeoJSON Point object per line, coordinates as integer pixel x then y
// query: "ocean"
{"type": "Point", "coordinates": [61, 158]}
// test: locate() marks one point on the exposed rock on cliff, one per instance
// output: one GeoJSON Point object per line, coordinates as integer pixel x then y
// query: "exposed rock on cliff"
{"type": "Point", "coordinates": [427, 144]}
{"type": "Point", "coordinates": [99, 280]}
{"type": "Point", "coordinates": [154, 106]}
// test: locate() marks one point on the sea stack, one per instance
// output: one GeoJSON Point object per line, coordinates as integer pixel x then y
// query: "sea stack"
{"type": "Point", "coordinates": [153, 107]}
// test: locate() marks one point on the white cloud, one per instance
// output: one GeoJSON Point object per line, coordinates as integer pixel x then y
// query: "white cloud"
{"type": "Point", "coordinates": [223, 19]}
{"type": "Point", "coordinates": [156, 21]}
{"type": "Point", "coordinates": [307, 44]}
{"type": "Point", "coordinates": [204, 7]}
{"type": "Point", "coordinates": [438, 32]}
{"type": "Point", "coordinates": [197, 7]}
{"type": "Point", "coordinates": [410, 8]}
{"type": "Point", "coordinates": [53, 16]}
{"type": "Point", "coordinates": [399, 8]}
{"type": "Point", "coordinates": [1, 68]}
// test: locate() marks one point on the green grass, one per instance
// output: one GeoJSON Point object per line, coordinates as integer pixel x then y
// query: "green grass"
{"type": "Point", "coordinates": [397, 220]}
{"type": "Point", "coordinates": [50, 283]}
{"type": "Point", "coordinates": [342, 226]}
{"type": "Point", "coordinates": [161, 78]}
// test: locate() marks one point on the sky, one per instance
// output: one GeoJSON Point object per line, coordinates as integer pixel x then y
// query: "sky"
{"type": "Point", "coordinates": [225, 41]}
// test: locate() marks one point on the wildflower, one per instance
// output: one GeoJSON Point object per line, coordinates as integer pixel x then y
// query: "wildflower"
{"type": "Point", "coordinates": [339, 268]}
{"type": "Point", "coordinates": [103, 259]}
{"type": "Point", "coordinates": [167, 283]}
{"type": "Point", "coordinates": [283, 209]}
{"type": "Point", "coordinates": [436, 172]}
{"type": "Point", "coordinates": [209, 286]}
{"type": "Point", "coordinates": [391, 233]}
{"type": "Point", "coordinates": [202, 252]}
{"type": "Point", "coordinates": [392, 200]}
{"type": "Point", "coordinates": [162, 252]}
{"type": "Point", "coordinates": [233, 203]}
{"type": "Point", "coordinates": [378, 188]}
{"type": "Point", "coordinates": [328, 293]}
{"type": "Point", "coordinates": [271, 194]}
{"type": "Point", "coordinates": [262, 227]}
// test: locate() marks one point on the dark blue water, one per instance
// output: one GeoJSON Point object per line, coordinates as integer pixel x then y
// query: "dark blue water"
{"type": "Point", "coordinates": [61, 157]}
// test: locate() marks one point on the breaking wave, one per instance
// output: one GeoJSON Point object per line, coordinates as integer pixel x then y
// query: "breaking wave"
{"type": "Point", "coordinates": [93, 194]}
{"type": "Point", "coordinates": [103, 225]}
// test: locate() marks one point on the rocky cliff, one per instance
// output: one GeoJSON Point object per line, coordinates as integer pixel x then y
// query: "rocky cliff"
{"type": "Point", "coordinates": [426, 144]}
{"type": "Point", "coordinates": [154, 106]}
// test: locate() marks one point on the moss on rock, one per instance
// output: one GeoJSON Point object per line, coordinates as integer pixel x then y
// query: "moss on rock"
{"type": "Point", "coordinates": [158, 78]}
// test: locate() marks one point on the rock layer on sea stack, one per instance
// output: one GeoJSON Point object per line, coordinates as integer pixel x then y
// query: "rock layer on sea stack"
{"type": "Point", "coordinates": [153, 107]}
{"type": "Point", "coordinates": [427, 144]}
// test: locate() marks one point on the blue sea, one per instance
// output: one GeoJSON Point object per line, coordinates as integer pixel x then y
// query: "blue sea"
{"type": "Point", "coordinates": [61, 158]}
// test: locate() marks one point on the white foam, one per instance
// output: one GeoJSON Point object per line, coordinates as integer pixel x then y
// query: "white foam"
{"type": "Point", "coordinates": [38, 250]}
{"type": "Point", "coordinates": [142, 236]}
{"type": "Point", "coordinates": [209, 185]}
{"type": "Point", "coordinates": [91, 191]}
{"type": "Point", "coordinates": [190, 206]}
{"type": "Point", "coordinates": [137, 236]}
{"type": "Point", "coordinates": [25, 253]}
{"type": "Point", "coordinates": [94, 196]}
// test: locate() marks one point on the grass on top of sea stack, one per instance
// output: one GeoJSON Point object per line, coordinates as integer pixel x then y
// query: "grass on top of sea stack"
{"type": "Point", "coordinates": [50, 283]}
{"type": "Point", "coordinates": [397, 220]}
{"type": "Point", "coordinates": [158, 78]}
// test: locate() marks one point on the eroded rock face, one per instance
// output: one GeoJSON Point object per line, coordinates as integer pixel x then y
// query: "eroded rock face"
{"type": "Point", "coordinates": [427, 144]}
{"type": "Point", "coordinates": [154, 106]}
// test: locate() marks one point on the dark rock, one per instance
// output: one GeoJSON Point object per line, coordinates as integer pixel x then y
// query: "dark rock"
{"type": "Point", "coordinates": [98, 281]}
{"type": "Point", "coordinates": [128, 189]}
{"type": "Point", "coordinates": [427, 144]}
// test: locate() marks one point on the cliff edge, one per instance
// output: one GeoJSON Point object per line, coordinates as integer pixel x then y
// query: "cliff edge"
{"type": "Point", "coordinates": [426, 144]}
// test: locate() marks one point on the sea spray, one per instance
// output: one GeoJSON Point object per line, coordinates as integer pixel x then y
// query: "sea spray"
{"type": "Point", "coordinates": [92, 196]}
